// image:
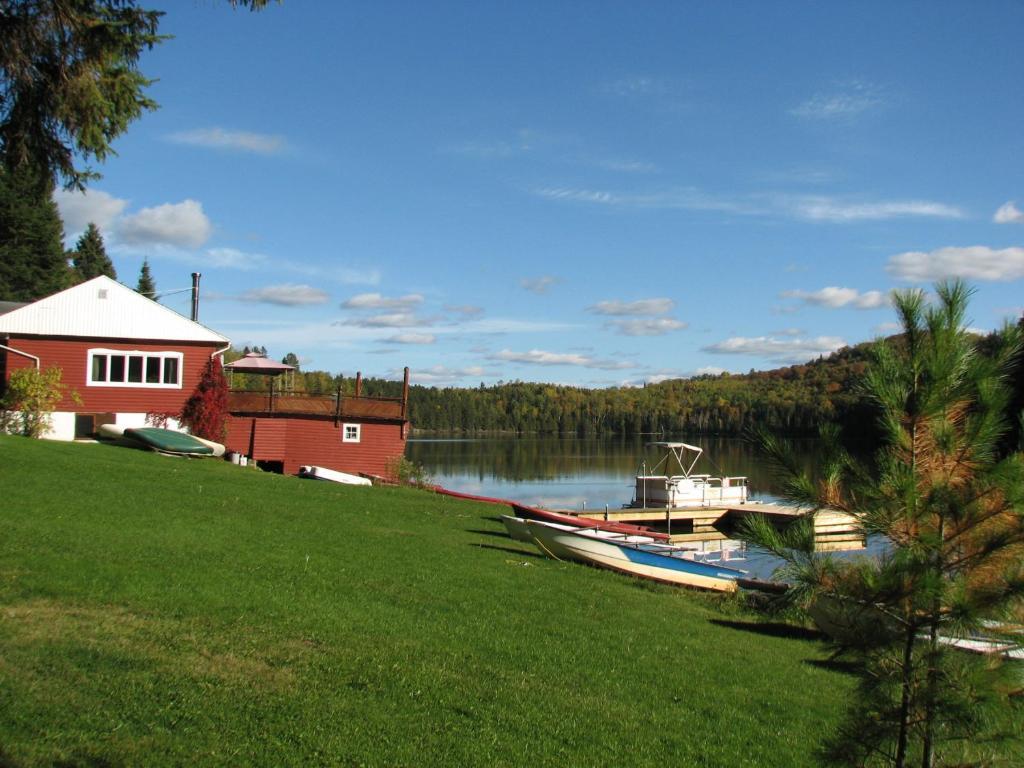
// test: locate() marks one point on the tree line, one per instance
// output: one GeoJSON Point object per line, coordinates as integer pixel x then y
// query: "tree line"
{"type": "Point", "coordinates": [793, 400]}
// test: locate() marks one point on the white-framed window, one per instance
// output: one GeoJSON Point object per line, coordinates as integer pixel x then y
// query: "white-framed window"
{"type": "Point", "coordinates": [350, 433]}
{"type": "Point", "coordinates": [133, 368]}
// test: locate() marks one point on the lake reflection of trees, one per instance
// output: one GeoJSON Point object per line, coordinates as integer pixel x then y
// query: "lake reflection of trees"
{"type": "Point", "coordinates": [541, 459]}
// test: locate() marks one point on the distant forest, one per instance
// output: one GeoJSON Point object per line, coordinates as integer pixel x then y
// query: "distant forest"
{"type": "Point", "coordinates": [793, 400]}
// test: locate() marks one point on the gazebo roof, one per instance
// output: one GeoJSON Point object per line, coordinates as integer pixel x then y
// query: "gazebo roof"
{"type": "Point", "coordinates": [254, 362]}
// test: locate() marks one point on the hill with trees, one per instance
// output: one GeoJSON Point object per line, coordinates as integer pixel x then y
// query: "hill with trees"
{"type": "Point", "coordinates": [794, 400]}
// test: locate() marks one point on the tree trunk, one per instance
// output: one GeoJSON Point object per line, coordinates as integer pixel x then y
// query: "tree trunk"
{"type": "Point", "coordinates": [906, 687]}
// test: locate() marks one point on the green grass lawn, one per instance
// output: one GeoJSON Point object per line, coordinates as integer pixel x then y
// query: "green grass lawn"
{"type": "Point", "coordinates": [166, 611]}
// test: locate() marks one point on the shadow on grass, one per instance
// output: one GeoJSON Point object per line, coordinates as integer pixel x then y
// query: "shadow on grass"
{"type": "Point", "coordinates": [771, 629]}
{"type": "Point", "coordinates": [497, 520]}
{"type": "Point", "coordinates": [507, 550]}
{"type": "Point", "coordinates": [497, 534]}
{"type": "Point", "coordinates": [76, 761]}
{"type": "Point", "coordinates": [836, 665]}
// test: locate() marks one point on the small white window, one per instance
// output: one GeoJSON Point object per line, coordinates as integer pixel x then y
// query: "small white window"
{"type": "Point", "coordinates": [350, 433]}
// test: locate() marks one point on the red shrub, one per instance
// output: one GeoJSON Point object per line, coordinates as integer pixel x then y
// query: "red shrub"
{"type": "Point", "coordinates": [206, 410]}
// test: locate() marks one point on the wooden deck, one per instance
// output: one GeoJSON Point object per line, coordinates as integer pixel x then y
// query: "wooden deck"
{"type": "Point", "coordinates": [834, 531]}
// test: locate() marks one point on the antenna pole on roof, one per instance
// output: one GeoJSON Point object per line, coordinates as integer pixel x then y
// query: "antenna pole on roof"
{"type": "Point", "coordinates": [195, 296]}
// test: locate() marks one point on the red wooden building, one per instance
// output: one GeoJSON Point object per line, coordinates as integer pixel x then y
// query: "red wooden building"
{"type": "Point", "coordinates": [122, 354]}
{"type": "Point", "coordinates": [284, 431]}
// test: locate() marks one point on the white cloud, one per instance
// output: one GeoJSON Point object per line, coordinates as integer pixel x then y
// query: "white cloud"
{"type": "Point", "coordinates": [412, 338]}
{"type": "Point", "coordinates": [779, 350]}
{"type": "Point", "coordinates": [538, 285]}
{"type": "Point", "coordinates": [1008, 213]}
{"type": "Point", "coordinates": [809, 207]}
{"type": "Point", "coordinates": [834, 298]}
{"type": "Point", "coordinates": [541, 357]}
{"type": "Point", "coordinates": [78, 209]}
{"type": "Point", "coordinates": [846, 101]}
{"type": "Point", "coordinates": [976, 262]}
{"type": "Point", "coordinates": [466, 310]}
{"type": "Point", "coordinates": [640, 307]}
{"type": "Point", "coordinates": [231, 258]}
{"type": "Point", "coordinates": [627, 166]}
{"type": "Point", "coordinates": [709, 370]}
{"type": "Point", "coordinates": [344, 275]}
{"type": "Point", "coordinates": [239, 141]}
{"type": "Point", "coordinates": [377, 301]}
{"type": "Point", "coordinates": [181, 224]}
{"type": "Point", "coordinates": [388, 320]}
{"type": "Point", "coordinates": [651, 326]}
{"type": "Point", "coordinates": [886, 328]}
{"type": "Point", "coordinates": [817, 208]}
{"type": "Point", "coordinates": [439, 374]}
{"type": "Point", "coordinates": [287, 295]}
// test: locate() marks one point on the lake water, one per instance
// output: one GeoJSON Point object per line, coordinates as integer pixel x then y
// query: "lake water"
{"type": "Point", "coordinates": [565, 473]}
{"type": "Point", "coordinates": [568, 473]}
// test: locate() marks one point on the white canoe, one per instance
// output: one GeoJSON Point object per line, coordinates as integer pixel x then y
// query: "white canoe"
{"type": "Point", "coordinates": [312, 472]}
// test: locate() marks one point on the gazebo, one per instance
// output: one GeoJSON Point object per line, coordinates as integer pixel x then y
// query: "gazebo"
{"type": "Point", "coordinates": [258, 364]}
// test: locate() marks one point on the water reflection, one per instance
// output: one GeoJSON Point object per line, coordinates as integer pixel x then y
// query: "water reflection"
{"type": "Point", "coordinates": [573, 473]}
{"type": "Point", "coordinates": [570, 472]}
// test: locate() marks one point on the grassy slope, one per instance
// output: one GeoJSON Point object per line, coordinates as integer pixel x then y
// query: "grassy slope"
{"type": "Point", "coordinates": [156, 610]}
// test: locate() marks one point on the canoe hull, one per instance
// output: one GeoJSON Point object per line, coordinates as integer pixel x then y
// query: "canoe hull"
{"type": "Point", "coordinates": [322, 473]}
{"type": "Point", "coordinates": [633, 559]}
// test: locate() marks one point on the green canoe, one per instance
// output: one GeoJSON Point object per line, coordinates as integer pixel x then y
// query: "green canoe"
{"type": "Point", "coordinates": [169, 441]}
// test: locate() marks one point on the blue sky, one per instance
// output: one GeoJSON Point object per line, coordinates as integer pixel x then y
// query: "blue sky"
{"type": "Point", "coordinates": [589, 193]}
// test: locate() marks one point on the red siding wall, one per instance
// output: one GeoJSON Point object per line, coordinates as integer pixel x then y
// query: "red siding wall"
{"type": "Point", "coordinates": [316, 441]}
{"type": "Point", "coordinates": [72, 356]}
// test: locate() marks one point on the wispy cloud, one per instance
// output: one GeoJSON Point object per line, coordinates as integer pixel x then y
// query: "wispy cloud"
{"type": "Point", "coordinates": [833, 297]}
{"type": "Point", "coordinates": [832, 209]}
{"type": "Point", "coordinates": [843, 102]}
{"type": "Point", "coordinates": [639, 307]}
{"type": "Point", "coordinates": [233, 258]}
{"type": "Point", "coordinates": [976, 262]}
{"type": "Point", "coordinates": [440, 374]}
{"type": "Point", "coordinates": [650, 326]}
{"type": "Point", "coordinates": [378, 301]}
{"type": "Point", "coordinates": [627, 166]}
{"type": "Point", "coordinates": [807, 207]}
{"type": "Point", "coordinates": [637, 85]}
{"type": "Point", "coordinates": [180, 224]}
{"type": "Point", "coordinates": [466, 310]}
{"type": "Point", "coordinates": [411, 338]}
{"type": "Point", "coordinates": [541, 357]}
{"type": "Point", "coordinates": [538, 285]}
{"type": "Point", "coordinates": [1008, 213]}
{"type": "Point", "coordinates": [388, 320]}
{"type": "Point", "coordinates": [788, 350]}
{"type": "Point", "coordinates": [235, 141]}
{"type": "Point", "coordinates": [286, 295]}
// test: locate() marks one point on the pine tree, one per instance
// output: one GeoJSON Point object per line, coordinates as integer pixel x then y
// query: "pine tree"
{"type": "Point", "coordinates": [146, 285]}
{"type": "Point", "coordinates": [205, 412]}
{"type": "Point", "coordinates": [951, 506]}
{"type": "Point", "coordinates": [32, 260]}
{"type": "Point", "coordinates": [89, 259]}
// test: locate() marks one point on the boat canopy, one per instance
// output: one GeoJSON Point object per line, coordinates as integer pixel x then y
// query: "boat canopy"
{"type": "Point", "coordinates": [677, 451]}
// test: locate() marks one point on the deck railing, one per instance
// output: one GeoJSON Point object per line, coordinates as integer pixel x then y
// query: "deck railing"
{"type": "Point", "coordinates": [270, 402]}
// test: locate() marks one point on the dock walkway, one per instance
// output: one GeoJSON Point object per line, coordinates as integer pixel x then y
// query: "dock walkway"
{"type": "Point", "coordinates": [834, 530]}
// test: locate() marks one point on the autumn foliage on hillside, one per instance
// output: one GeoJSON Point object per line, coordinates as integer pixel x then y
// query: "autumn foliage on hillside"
{"type": "Point", "coordinates": [205, 411]}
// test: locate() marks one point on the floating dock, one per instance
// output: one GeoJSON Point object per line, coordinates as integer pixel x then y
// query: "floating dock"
{"type": "Point", "coordinates": [834, 531]}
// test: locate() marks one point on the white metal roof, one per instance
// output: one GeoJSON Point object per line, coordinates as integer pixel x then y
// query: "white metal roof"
{"type": "Point", "coordinates": [103, 308]}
